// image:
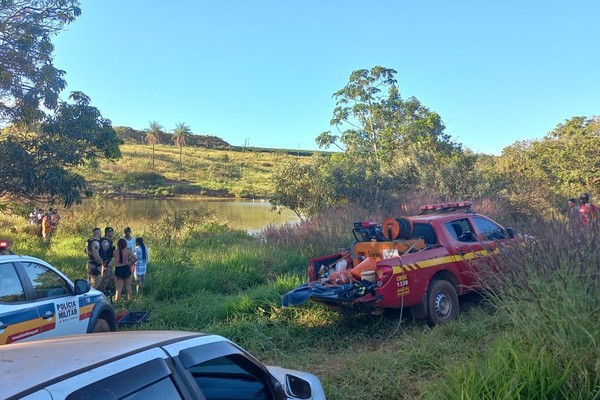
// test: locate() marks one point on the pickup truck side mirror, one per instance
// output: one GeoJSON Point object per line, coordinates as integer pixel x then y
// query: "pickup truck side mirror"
{"type": "Point", "coordinates": [81, 286]}
{"type": "Point", "coordinates": [511, 232]}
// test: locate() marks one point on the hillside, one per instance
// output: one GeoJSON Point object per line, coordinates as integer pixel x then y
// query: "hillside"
{"type": "Point", "coordinates": [212, 170]}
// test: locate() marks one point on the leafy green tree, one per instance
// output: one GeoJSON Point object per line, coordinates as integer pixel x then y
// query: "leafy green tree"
{"type": "Point", "coordinates": [570, 155]}
{"type": "Point", "coordinates": [28, 76]}
{"type": "Point", "coordinates": [44, 138]}
{"type": "Point", "coordinates": [541, 174]}
{"type": "Point", "coordinates": [383, 139]}
{"type": "Point", "coordinates": [153, 136]}
{"type": "Point", "coordinates": [38, 162]}
{"type": "Point", "coordinates": [298, 186]}
{"type": "Point", "coordinates": [374, 121]}
{"type": "Point", "coordinates": [181, 135]}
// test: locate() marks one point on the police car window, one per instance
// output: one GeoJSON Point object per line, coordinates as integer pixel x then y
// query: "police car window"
{"type": "Point", "coordinates": [489, 230]}
{"type": "Point", "coordinates": [11, 289]}
{"type": "Point", "coordinates": [230, 377]}
{"type": "Point", "coordinates": [45, 282]}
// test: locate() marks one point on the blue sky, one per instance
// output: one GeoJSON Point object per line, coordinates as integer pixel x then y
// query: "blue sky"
{"type": "Point", "coordinates": [263, 71]}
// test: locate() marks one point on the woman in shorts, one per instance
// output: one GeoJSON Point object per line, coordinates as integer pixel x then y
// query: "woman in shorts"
{"type": "Point", "coordinates": [123, 258]}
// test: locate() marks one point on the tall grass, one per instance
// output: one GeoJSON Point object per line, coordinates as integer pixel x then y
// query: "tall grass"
{"type": "Point", "coordinates": [549, 288]}
{"type": "Point", "coordinates": [535, 336]}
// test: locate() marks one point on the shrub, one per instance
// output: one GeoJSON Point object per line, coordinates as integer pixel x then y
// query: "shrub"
{"type": "Point", "coordinates": [144, 178]}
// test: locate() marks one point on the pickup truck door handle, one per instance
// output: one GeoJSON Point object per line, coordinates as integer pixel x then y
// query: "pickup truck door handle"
{"type": "Point", "coordinates": [48, 314]}
{"type": "Point", "coordinates": [3, 325]}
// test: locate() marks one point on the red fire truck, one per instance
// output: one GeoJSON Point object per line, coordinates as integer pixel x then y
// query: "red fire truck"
{"type": "Point", "coordinates": [424, 262]}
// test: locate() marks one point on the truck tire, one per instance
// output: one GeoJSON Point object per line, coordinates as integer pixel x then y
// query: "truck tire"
{"type": "Point", "coordinates": [101, 326]}
{"type": "Point", "coordinates": [442, 303]}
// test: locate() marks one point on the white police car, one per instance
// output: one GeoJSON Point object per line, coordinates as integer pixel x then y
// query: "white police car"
{"type": "Point", "coordinates": [163, 365]}
{"type": "Point", "coordinates": [37, 301]}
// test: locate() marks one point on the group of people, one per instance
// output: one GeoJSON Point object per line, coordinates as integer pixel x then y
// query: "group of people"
{"type": "Point", "coordinates": [46, 221]}
{"type": "Point", "coordinates": [582, 213]}
{"type": "Point", "coordinates": [109, 265]}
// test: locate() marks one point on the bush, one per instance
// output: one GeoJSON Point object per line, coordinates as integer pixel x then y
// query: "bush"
{"type": "Point", "coordinates": [144, 178]}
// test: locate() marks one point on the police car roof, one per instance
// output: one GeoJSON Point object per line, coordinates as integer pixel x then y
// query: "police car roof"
{"type": "Point", "coordinates": [29, 364]}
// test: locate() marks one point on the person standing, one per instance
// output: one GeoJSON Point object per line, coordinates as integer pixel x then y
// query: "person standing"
{"type": "Point", "coordinates": [123, 259]}
{"type": "Point", "coordinates": [54, 220]}
{"type": "Point", "coordinates": [94, 261]}
{"type": "Point", "coordinates": [130, 243]}
{"type": "Point", "coordinates": [47, 227]}
{"type": "Point", "coordinates": [143, 255]}
{"type": "Point", "coordinates": [106, 253]}
{"type": "Point", "coordinates": [588, 211]}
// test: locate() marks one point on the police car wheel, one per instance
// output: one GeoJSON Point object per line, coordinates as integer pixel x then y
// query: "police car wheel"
{"type": "Point", "coordinates": [101, 326]}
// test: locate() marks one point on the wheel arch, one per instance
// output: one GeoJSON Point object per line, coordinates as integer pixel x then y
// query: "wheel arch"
{"type": "Point", "coordinates": [420, 311]}
{"type": "Point", "coordinates": [105, 312]}
{"type": "Point", "coordinates": [445, 275]}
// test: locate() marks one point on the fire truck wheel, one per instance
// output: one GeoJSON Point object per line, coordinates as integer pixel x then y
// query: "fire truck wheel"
{"type": "Point", "coordinates": [442, 303]}
{"type": "Point", "coordinates": [101, 326]}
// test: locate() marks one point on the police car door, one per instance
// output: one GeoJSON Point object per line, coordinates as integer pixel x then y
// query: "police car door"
{"type": "Point", "coordinates": [18, 319]}
{"type": "Point", "coordinates": [54, 298]}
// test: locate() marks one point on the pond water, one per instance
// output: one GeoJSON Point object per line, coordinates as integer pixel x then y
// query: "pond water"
{"type": "Point", "coordinates": [241, 214]}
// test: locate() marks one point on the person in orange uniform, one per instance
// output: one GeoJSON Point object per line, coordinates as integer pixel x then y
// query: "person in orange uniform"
{"type": "Point", "coordinates": [47, 227]}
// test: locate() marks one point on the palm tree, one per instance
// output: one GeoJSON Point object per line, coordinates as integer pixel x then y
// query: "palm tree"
{"type": "Point", "coordinates": [153, 136]}
{"type": "Point", "coordinates": [181, 135]}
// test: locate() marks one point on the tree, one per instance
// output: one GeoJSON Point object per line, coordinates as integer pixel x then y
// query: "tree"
{"type": "Point", "coordinates": [298, 186]}
{"type": "Point", "coordinates": [28, 77]}
{"type": "Point", "coordinates": [44, 137]}
{"type": "Point", "coordinates": [37, 161]}
{"type": "Point", "coordinates": [379, 125]}
{"type": "Point", "coordinates": [181, 135]}
{"type": "Point", "coordinates": [561, 165]}
{"type": "Point", "coordinates": [386, 136]}
{"type": "Point", "coordinates": [153, 136]}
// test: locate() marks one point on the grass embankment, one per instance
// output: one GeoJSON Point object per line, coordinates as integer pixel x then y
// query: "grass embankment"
{"type": "Point", "coordinates": [208, 172]}
{"type": "Point", "coordinates": [536, 338]}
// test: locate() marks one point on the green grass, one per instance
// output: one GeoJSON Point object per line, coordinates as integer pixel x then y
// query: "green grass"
{"type": "Point", "coordinates": [534, 337]}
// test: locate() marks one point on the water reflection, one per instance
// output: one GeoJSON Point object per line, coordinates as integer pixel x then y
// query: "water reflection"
{"type": "Point", "coordinates": [249, 215]}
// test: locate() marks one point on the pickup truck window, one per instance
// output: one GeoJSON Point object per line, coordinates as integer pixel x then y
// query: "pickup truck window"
{"type": "Point", "coordinates": [489, 230]}
{"type": "Point", "coordinates": [426, 232]}
{"type": "Point", "coordinates": [460, 230]}
{"type": "Point", "coordinates": [151, 380]}
{"type": "Point", "coordinates": [230, 377]}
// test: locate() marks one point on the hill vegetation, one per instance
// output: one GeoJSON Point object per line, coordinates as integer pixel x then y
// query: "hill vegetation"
{"type": "Point", "coordinates": [220, 172]}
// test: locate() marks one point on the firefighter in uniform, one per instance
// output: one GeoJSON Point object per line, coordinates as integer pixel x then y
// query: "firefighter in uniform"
{"type": "Point", "coordinates": [94, 261]}
{"type": "Point", "coordinates": [106, 253]}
